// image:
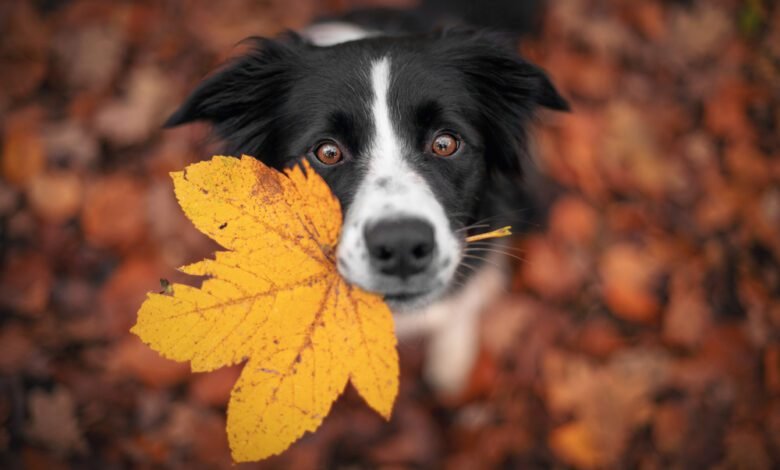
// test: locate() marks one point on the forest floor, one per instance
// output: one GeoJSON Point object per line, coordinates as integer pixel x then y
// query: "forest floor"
{"type": "Point", "coordinates": [642, 328]}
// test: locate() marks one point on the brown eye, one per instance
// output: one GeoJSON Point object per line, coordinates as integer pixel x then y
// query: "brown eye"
{"type": "Point", "coordinates": [328, 153]}
{"type": "Point", "coordinates": [444, 145]}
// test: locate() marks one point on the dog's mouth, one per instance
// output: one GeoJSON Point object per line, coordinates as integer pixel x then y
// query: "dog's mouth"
{"type": "Point", "coordinates": [413, 297]}
{"type": "Point", "coordinates": [404, 302]}
{"type": "Point", "coordinates": [406, 297]}
{"type": "Point", "coordinates": [402, 295]}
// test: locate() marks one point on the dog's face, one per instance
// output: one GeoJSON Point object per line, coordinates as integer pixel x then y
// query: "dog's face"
{"type": "Point", "coordinates": [409, 133]}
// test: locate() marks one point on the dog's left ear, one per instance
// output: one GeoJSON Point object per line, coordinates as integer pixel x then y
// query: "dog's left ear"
{"type": "Point", "coordinates": [499, 73]}
{"type": "Point", "coordinates": [546, 94]}
{"type": "Point", "coordinates": [510, 90]}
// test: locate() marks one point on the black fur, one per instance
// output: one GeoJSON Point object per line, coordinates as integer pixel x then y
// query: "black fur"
{"type": "Point", "coordinates": [279, 100]}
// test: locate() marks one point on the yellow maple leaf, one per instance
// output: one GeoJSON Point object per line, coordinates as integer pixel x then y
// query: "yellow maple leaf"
{"type": "Point", "coordinates": [275, 299]}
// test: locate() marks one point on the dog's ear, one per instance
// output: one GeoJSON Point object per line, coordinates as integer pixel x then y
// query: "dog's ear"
{"type": "Point", "coordinates": [246, 81]}
{"type": "Point", "coordinates": [490, 60]}
{"type": "Point", "coordinates": [241, 99]}
{"type": "Point", "coordinates": [546, 93]}
{"type": "Point", "coordinates": [510, 90]}
{"type": "Point", "coordinates": [497, 70]}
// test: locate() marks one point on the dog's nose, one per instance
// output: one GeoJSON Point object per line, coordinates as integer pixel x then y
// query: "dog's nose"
{"type": "Point", "coordinates": [401, 247]}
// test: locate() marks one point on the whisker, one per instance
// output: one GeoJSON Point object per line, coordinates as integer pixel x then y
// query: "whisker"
{"type": "Point", "coordinates": [466, 265]}
{"type": "Point", "coordinates": [459, 282]}
{"type": "Point", "coordinates": [501, 252]}
{"type": "Point", "coordinates": [496, 249]}
{"type": "Point", "coordinates": [469, 227]}
{"type": "Point", "coordinates": [494, 244]}
{"type": "Point", "coordinates": [485, 260]}
{"type": "Point", "coordinates": [479, 249]}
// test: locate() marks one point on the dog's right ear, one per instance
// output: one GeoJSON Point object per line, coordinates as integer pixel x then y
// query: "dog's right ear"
{"type": "Point", "coordinates": [245, 89]}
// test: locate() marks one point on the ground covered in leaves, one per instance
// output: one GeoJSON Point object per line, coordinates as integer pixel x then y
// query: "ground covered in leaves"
{"type": "Point", "coordinates": [642, 328]}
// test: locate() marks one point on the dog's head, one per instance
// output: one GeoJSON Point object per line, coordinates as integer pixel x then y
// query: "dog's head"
{"type": "Point", "coordinates": [409, 132]}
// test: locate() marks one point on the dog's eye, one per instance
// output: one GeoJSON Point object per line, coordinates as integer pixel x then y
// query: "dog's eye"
{"type": "Point", "coordinates": [329, 153]}
{"type": "Point", "coordinates": [445, 145]}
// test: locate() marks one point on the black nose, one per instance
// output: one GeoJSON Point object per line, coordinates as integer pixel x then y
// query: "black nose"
{"type": "Point", "coordinates": [401, 247]}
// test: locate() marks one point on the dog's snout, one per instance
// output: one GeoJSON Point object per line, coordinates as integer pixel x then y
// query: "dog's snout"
{"type": "Point", "coordinates": [401, 247]}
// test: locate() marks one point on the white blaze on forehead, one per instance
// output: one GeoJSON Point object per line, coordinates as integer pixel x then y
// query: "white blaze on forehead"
{"type": "Point", "coordinates": [391, 186]}
{"type": "Point", "coordinates": [392, 189]}
{"type": "Point", "coordinates": [386, 149]}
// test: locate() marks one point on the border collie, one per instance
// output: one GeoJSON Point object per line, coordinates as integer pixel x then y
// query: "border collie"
{"type": "Point", "coordinates": [420, 135]}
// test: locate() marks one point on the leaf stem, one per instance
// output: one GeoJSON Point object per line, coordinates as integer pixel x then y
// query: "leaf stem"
{"type": "Point", "coordinates": [502, 232]}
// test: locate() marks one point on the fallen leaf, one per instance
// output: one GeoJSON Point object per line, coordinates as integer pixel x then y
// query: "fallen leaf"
{"type": "Point", "coordinates": [213, 388]}
{"type": "Point", "coordinates": [125, 289]}
{"type": "Point", "coordinates": [688, 315]}
{"type": "Point", "coordinates": [113, 213]}
{"type": "Point", "coordinates": [772, 423]}
{"type": "Point", "coordinates": [9, 198]}
{"type": "Point", "coordinates": [699, 32]}
{"type": "Point", "coordinates": [608, 402]}
{"type": "Point", "coordinates": [745, 448]}
{"type": "Point", "coordinates": [648, 19]}
{"type": "Point", "coordinates": [670, 426]}
{"type": "Point", "coordinates": [132, 358]}
{"type": "Point", "coordinates": [55, 196]}
{"type": "Point", "coordinates": [133, 119]}
{"type": "Point", "coordinates": [573, 157]}
{"type": "Point", "coordinates": [23, 50]}
{"type": "Point", "coordinates": [26, 283]}
{"type": "Point", "coordinates": [629, 273]}
{"type": "Point", "coordinates": [584, 75]}
{"type": "Point", "coordinates": [274, 298]}
{"type": "Point", "coordinates": [599, 338]}
{"type": "Point", "coordinates": [23, 154]}
{"type": "Point", "coordinates": [772, 369]}
{"type": "Point", "coordinates": [70, 144]}
{"type": "Point", "coordinates": [630, 160]}
{"type": "Point", "coordinates": [725, 114]}
{"type": "Point", "coordinates": [414, 444]}
{"type": "Point", "coordinates": [550, 270]}
{"type": "Point", "coordinates": [574, 221]}
{"type": "Point", "coordinates": [503, 322]}
{"type": "Point", "coordinates": [574, 444]}
{"type": "Point", "coordinates": [16, 350]}
{"type": "Point", "coordinates": [91, 57]}
{"type": "Point", "coordinates": [190, 426]}
{"type": "Point", "coordinates": [53, 421]}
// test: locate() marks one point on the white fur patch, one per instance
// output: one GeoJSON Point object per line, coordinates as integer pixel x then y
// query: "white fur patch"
{"type": "Point", "coordinates": [392, 189]}
{"type": "Point", "coordinates": [453, 327]}
{"type": "Point", "coordinates": [335, 32]}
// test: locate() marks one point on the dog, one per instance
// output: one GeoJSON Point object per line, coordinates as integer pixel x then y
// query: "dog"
{"type": "Point", "coordinates": [419, 134]}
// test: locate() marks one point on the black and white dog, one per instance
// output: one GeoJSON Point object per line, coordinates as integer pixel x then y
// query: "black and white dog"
{"type": "Point", "coordinates": [420, 136]}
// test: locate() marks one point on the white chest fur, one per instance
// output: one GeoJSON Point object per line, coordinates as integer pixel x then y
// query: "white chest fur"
{"type": "Point", "coordinates": [452, 326]}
